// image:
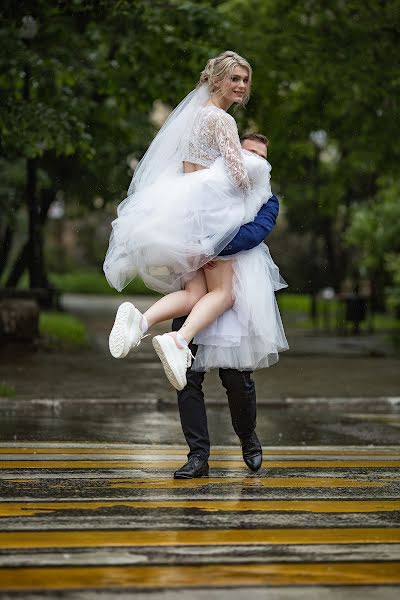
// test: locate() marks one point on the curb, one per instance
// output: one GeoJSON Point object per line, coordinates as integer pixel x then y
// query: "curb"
{"type": "Point", "coordinates": [373, 404]}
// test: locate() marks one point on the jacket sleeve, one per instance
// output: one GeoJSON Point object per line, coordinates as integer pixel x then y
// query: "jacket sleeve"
{"type": "Point", "coordinates": [252, 234]}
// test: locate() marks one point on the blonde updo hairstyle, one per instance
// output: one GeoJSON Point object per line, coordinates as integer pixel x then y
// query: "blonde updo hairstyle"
{"type": "Point", "coordinates": [220, 69]}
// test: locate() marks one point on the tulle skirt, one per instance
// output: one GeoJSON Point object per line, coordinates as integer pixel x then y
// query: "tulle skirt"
{"type": "Point", "coordinates": [250, 335]}
{"type": "Point", "coordinates": [167, 231]}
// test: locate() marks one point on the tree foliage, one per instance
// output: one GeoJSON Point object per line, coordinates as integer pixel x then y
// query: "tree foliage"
{"type": "Point", "coordinates": [326, 92]}
{"type": "Point", "coordinates": [375, 234]}
{"type": "Point", "coordinates": [80, 78]}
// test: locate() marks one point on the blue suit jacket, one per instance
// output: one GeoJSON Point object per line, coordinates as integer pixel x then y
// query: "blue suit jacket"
{"type": "Point", "coordinates": [252, 234]}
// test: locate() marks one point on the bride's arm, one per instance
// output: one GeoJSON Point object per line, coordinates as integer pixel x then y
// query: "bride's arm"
{"type": "Point", "coordinates": [228, 141]}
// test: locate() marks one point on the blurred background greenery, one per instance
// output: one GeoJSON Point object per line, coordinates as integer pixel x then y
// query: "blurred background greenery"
{"type": "Point", "coordinates": [86, 84]}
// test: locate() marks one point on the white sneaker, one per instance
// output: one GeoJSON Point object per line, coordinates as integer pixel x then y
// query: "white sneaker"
{"type": "Point", "coordinates": [126, 332]}
{"type": "Point", "coordinates": [174, 360]}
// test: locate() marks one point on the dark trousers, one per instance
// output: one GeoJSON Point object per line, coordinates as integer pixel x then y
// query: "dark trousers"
{"type": "Point", "coordinates": [241, 394]}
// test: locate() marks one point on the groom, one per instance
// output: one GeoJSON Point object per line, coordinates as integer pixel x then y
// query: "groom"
{"type": "Point", "coordinates": [239, 385]}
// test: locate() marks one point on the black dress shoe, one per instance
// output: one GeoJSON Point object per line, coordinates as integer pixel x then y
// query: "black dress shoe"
{"type": "Point", "coordinates": [252, 451]}
{"type": "Point", "coordinates": [195, 467]}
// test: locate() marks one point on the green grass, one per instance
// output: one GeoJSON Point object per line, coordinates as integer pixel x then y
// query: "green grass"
{"type": "Point", "coordinates": [63, 328]}
{"type": "Point", "coordinates": [386, 322]}
{"type": "Point", "coordinates": [6, 391]}
{"type": "Point", "coordinates": [94, 282]}
{"type": "Point", "coordinates": [293, 302]}
{"type": "Point", "coordinates": [295, 308]}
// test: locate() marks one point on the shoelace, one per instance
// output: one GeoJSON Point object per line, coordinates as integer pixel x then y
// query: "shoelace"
{"type": "Point", "coordinates": [142, 338]}
{"type": "Point", "coordinates": [189, 357]}
{"type": "Point", "coordinates": [189, 354]}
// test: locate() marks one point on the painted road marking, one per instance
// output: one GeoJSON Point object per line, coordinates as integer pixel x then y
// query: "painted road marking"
{"type": "Point", "coordinates": [247, 482]}
{"type": "Point", "coordinates": [21, 509]}
{"type": "Point", "coordinates": [182, 451]}
{"type": "Point", "coordinates": [195, 537]}
{"type": "Point", "coordinates": [133, 464]}
{"type": "Point", "coordinates": [211, 576]}
{"type": "Point", "coordinates": [163, 458]}
{"type": "Point", "coordinates": [156, 464]}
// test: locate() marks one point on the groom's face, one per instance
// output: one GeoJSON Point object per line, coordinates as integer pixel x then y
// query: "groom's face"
{"type": "Point", "coordinates": [255, 146]}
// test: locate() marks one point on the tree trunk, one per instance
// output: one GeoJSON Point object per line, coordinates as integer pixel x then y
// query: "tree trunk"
{"type": "Point", "coordinates": [312, 286]}
{"type": "Point", "coordinates": [19, 267]}
{"type": "Point", "coordinates": [35, 259]}
{"type": "Point", "coordinates": [332, 253]}
{"type": "Point", "coordinates": [5, 248]}
{"type": "Point", "coordinates": [378, 290]}
{"type": "Point", "coordinates": [35, 242]}
{"type": "Point", "coordinates": [23, 259]}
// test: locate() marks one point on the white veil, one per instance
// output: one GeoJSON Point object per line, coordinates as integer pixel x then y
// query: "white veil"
{"type": "Point", "coordinates": [166, 151]}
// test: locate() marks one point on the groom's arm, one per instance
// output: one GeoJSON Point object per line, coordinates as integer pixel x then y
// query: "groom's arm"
{"type": "Point", "coordinates": [252, 234]}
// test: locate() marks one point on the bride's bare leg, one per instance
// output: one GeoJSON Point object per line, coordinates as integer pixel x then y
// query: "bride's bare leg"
{"type": "Point", "coordinates": [211, 305]}
{"type": "Point", "coordinates": [179, 303]}
{"type": "Point", "coordinates": [130, 325]}
{"type": "Point", "coordinates": [175, 355]}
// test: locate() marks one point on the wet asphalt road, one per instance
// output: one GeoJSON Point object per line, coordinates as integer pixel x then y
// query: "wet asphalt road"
{"type": "Point", "coordinates": [316, 366]}
{"type": "Point", "coordinates": [89, 508]}
{"type": "Point", "coordinates": [95, 421]}
{"type": "Point", "coordinates": [80, 519]}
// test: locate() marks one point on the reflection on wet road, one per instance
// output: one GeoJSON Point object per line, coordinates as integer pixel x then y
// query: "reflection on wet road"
{"type": "Point", "coordinates": [99, 421]}
{"type": "Point", "coordinates": [78, 518]}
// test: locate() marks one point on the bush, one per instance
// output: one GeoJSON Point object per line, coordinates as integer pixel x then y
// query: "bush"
{"type": "Point", "coordinates": [63, 328]}
{"type": "Point", "coordinates": [6, 391]}
{"type": "Point", "coordinates": [93, 282]}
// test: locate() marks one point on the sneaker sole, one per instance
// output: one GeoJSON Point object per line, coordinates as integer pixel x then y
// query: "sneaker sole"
{"type": "Point", "coordinates": [158, 343]}
{"type": "Point", "coordinates": [126, 318]}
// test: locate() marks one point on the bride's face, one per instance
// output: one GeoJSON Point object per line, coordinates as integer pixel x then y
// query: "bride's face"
{"type": "Point", "coordinates": [234, 88]}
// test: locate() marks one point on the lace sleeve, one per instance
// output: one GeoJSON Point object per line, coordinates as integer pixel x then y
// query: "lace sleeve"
{"type": "Point", "coordinates": [228, 141]}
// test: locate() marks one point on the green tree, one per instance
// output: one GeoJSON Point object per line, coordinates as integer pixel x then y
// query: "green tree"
{"type": "Point", "coordinates": [374, 232]}
{"type": "Point", "coordinates": [326, 91]}
{"type": "Point", "coordinates": [79, 80]}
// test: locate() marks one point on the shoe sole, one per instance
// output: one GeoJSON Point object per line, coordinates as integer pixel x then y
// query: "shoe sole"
{"type": "Point", "coordinates": [202, 474]}
{"type": "Point", "coordinates": [127, 318]}
{"type": "Point", "coordinates": [159, 343]}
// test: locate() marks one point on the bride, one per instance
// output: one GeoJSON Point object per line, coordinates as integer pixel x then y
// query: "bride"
{"type": "Point", "coordinates": [188, 197]}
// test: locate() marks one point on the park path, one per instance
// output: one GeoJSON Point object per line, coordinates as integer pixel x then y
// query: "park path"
{"type": "Point", "coordinates": [77, 519]}
{"type": "Point", "coordinates": [326, 368]}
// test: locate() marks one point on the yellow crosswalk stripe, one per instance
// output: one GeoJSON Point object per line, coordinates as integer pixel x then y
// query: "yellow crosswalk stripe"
{"type": "Point", "coordinates": [181, 450]}
{"type": "Point", "coordinates": [21, 509]}
{"type": "Point", "coordinates": [232, 482]}
{"type": "Point", "coordinates": [247, 482]}
{"type": "Point", "coordinates": [211, 576]}
{"type": "Point", "coordinates": [195, 537]}
{"type": "Point", "coordinates": [158, 464]}
{"type": "Point", "coordinates": [222, 493]}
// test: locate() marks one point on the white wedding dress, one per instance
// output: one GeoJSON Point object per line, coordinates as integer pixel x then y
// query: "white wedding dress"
{"type": "Point", "coordinates": [175, 223]}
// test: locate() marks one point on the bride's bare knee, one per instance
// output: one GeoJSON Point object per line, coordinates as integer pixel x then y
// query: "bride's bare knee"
{"type": "Point", "coordinates": [193, 298]}
{"type": "Point", "coordinates": [230, 302]}
{"type": "Point", "coordinates": [227, 300]}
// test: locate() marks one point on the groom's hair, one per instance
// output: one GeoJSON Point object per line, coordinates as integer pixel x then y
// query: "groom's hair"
{"type": "Point", "coordinates": [258, 137]}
